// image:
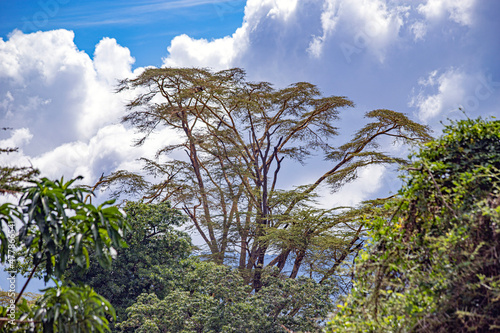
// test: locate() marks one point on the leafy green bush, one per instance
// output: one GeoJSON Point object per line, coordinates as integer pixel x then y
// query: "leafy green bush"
{"type": "Point", "coordinates": [434, 266]}
{"type": "Point", "coordinates": [215, 298]}
{"type": "Point", "coordinates": [155, 248]}
{"type": "Point", "coordinates": [68, 308]}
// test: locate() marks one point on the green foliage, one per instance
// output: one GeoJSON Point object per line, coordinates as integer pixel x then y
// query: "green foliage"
{"type": "Point", "coordinates": [16, 316]}
{"type": "Point", "coordinates": [58, 228]}
{"type": "Point", "coordinates": [8, 214]}
{"type": "Point", "coordinates": [54, 237]}
{"type": "Point", "coordinates": [180, 293]}
{"type": "Point", "coordinates": [63, 308]}
{"type": "Point", "coordinates": [72, 309]}
{"type": "Point", "coordinates": [155, 248]}
{"type": "Point", "coordinates": [434, 266]}
{"type": "Point", "coordinates": [214, 298]}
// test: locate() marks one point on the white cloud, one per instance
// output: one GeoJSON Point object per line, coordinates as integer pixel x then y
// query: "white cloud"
{"type": "Point", "coordinates": [102, 105]}
{"type": "Point", "coordinates": [419, 30]}
{"type": "Point", "coordinates": [278, 28]}
{"type": "Point", "coordinates": [218, 54]}
{"type": "Point", "coordinates": [19, 138]}
{"type": "Point", "coordinates": [57, 91]}
{"type": "Point", "coordinates": [112, 61]}
{"type": "Point", "coordinates": [276, 9]}
{"type": "Point", "coordinates": [64, 106]}
{"type": "Point", "coordinates": [41, 54]}
{"type": "Point", "coordinates": [102, 153]}
{"type": "Point", "coordinates": [109, 150]}
{"type": "Point", "coordinates": [277, 33]}
{"type": "Point", "coordinates": [329, 20]}
{"type": "Point", "coordinates": [449, 86]}
{"type": "Point", "coordinates": [460, 11]}
{"type": "Point", "coordinates": [224, 52]}
{"type": "Point", "coordinates": [451, 90]}
{"type": "Point", "coordinates": [369, 181]}
{"type": "Point", "coordinates": [369, 24]}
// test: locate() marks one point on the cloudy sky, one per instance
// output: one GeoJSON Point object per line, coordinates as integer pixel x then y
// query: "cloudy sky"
{"type": "Point", "coordinates": [60, 61]}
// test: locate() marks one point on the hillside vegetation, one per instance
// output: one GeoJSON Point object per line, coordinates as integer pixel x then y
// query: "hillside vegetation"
{"type": "Point", "coordinates": [434, 266]}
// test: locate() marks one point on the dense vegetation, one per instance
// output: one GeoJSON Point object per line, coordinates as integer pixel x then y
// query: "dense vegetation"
{"type": "Point", "coordinates": [150, 262]}
{"type": "Point", "coordinates": [214, 298]}
{"type": "Point", "coordinates": [272, 261]}
{"type": "Point", "coordinates": [434, 266]}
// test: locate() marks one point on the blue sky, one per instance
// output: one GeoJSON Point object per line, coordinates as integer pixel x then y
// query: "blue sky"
{"type": "Point", "coordinates": [60, 61]}
{"type": "Point", "coordinates": [145, 27]}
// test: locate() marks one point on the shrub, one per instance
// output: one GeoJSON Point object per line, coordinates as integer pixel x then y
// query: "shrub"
{"type": "Point", "coordinates": [434, 266]}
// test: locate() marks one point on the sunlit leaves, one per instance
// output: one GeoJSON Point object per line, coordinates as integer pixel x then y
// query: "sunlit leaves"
{"type": "Point", "coordinates": [60, 227]}
{"type": "Point", "coordinates": [214, 298]}
{"type": "Point", "coordinates": [73, 309]}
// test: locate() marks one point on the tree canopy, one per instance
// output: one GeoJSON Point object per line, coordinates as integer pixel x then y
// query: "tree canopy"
{"type": "Point", "coordinates": [12, 177]}
{"type": "Point", "coordinates": [237, 137]}
{"type": "Point", "coordinates": [150, 263]}
{"type": "Point", "coordinates": [214, 298]}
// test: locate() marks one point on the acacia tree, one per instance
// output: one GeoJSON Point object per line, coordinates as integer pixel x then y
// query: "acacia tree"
{"type": "Point", "coordinates": [12, 177]}
{"type": "Point", "coordinates": [237, 135]}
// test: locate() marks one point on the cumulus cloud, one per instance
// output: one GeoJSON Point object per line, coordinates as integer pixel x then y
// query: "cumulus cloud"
{"type": "Point", "coordinates": [63, 104]}
{"type": "Point", "coordinates": [270, 25]}
{"type": "Point", "coordinates": [109, 150]}
{"type": "Point", "coordinates": [102, 105]}
{"type": "Point", "coordinates": [329, 20]}
{"type": "Point", "coordinates": [225, 52]}
{"type": "Point", "coordinates": [459, 11]}
{"type": "Point", "coordinates": [185, 51]}
{"type": "Point", "coordinates": [447, 91]}
{"type": "Point", "coordinates": [280, 34]}
{"type": "Point", "coordinates": [56, 90]}
{"type": "Point", "coordinates": [112, 62]}
{"type": "Point", "coordinates": [22, 61]}
{"type": "Point", "coordinates": [367, 24]}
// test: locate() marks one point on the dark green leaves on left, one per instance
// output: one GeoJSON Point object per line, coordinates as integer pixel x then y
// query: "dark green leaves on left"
{"type": "Point", "coordinates": [60, 227]}
{"type": "Point", "coordinates": [75, 309]}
